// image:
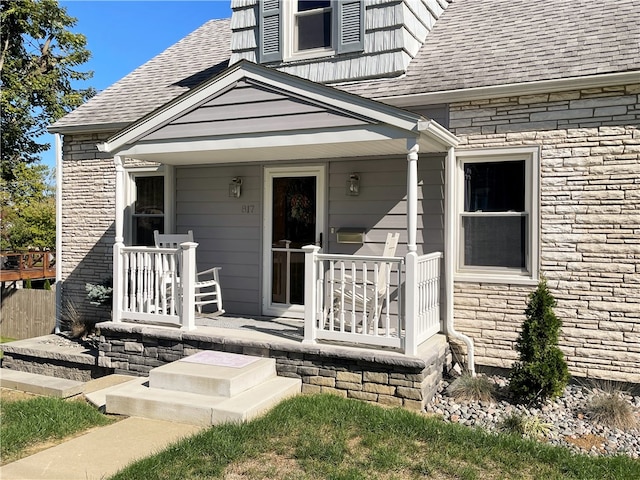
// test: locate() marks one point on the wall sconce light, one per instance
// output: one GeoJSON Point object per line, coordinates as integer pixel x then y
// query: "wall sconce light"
{"type": "Point", "coordinates": [235, 187]}
{"type": "Point", "coordinates": [353, 184]}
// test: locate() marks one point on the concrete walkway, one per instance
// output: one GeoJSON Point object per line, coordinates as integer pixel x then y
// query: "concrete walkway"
{"type": "Point", "coordinates": [99, 453]}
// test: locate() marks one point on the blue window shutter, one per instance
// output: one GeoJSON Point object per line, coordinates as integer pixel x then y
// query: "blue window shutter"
{"type": "Point", "coordinates": [349, 26]}
{"type": "Point", "coordinates": [270, 47]}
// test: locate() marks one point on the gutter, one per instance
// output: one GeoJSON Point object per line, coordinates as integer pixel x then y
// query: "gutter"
{"type": "Point", "coordinates": [58, 147]}
{"type": "Point", "coordinates": [449, 248]}
{"type": "Point", "coordinates": [512, 89]}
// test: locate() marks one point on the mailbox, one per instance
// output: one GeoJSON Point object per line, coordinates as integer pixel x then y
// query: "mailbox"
{"type": "Point", "coordinates": [350, 235]}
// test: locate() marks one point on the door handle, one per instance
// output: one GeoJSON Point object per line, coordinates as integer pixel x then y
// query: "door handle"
{"type": "Point", "coordinates": [320, 240]}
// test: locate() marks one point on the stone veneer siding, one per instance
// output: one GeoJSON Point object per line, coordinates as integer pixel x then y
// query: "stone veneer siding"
{"type": "Point", "coordinates": [88, 221]}
{"type": "Point", "coordinates": [590, 226]}
{"type": "Point", "coordinates": [370, 375]}
{"type": "Point", "coordinates": [88, 213]}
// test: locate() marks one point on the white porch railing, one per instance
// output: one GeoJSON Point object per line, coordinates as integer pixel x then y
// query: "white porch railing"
{"type": "Point", "coordinates": [371, 300]}
{"type": "Point", "coordinates": [359, 300]}
{"type": "Point", "coordinates": [154, 285]}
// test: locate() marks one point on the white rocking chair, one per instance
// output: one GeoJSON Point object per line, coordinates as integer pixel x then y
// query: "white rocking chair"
{"type": "Point", "coordinates": [207, 285]}
{"type": "Point", "coordinates": [373, 295]}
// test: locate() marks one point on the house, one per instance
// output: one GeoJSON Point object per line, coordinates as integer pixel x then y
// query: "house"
{"type": "Point", "coordinates": [500, 138]}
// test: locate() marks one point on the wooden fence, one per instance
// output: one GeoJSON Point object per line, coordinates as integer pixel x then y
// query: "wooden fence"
{"type": "Point", "coordinates": [27, 313]}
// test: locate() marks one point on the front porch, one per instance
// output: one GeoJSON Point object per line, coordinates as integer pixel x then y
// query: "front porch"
{"type": "Point", "coordinates": [376, 375]}
{"type": "Point", "coordinates": [371, 301]}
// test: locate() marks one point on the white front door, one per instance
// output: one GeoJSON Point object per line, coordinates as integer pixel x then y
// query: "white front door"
{"type": "Point", "coordinates": [294, 217]}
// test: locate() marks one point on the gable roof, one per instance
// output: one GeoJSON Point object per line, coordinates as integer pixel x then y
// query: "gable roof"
{"type": "Point", "coordinates": [475, 43]}
{"type": "Point", "coordinates": [250, 112]}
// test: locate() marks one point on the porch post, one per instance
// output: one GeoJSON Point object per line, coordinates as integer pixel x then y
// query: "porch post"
{"type": "Point", "coordinates": [118, 285]}
{"type": "Point", "coordinates": [119, 199]}
{"type": "Point", "coordinates": [310, 293]}
{"type": "Point", "coordinates": [412, 194]}
{"type": "Point", "coordinates": [187, 278]}
{"type": "Point", "coordinates": [411, 303]}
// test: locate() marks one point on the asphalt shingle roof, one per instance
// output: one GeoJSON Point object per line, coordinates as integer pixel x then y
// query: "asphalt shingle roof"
{"type": "Point", "coordinates": [478, 43]}
{"type": "Point", "coordinates": [475, 43]}
{"type": "Point", "coordinates": [201, 54]}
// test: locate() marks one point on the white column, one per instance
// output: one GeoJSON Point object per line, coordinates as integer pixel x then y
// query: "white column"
{"type": "Point", "coordinates": [58, 146]}
{"type": "Point", "coordinates": [412, 194]}
{"type": "Point", "coordinates": [411, 304]}
{"type": "Point", "coordinates": [118, 285]}
{"type": "Point", "coordinates": [188, 279]}
{"type": "Point", "coordinates": [310, 292]}
{"type": "Point", "coordinates": [119, 200]}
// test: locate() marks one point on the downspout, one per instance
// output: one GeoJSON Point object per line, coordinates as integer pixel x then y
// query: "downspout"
{"type": "Point", "coordinates": [449, 256]}
{"type": "Point", "coordinates": [58, 147]}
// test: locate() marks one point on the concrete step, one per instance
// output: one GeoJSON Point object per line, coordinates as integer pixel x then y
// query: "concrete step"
{"type": "Point", "coordinates": [39, 384]}
{"type": "Point", "coordinates": [213, 373]}
{"type": "Point", "coordinates": [140, 400]}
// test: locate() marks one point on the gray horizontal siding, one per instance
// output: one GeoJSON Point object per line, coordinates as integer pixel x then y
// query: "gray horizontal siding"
{"type": "Point", "coordinates": [231, 239]}
{"type": "Point", "coordinates": [249, 109]}
{"type": "Point", "coordinates": [227, 237]}
{"type": "Point", "coordinates": [381, 205]}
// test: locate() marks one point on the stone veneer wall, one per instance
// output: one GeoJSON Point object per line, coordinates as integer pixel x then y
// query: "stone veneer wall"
{"type": "Point", "coordinates": [88, 220]}
{"type": "Point", "coordinates": [88, 213]}
{"type": "Point", "coordinates": [590, 226]}
{"type": "Point", "coordinates": [368, 375]}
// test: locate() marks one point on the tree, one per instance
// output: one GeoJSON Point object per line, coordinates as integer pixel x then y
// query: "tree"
{"type": "Point", "coordinates": [37, 66]}
{"type": "Point", "coordinates": [28, 215]}
{"type": "Point", "coordinates": [542, 371]}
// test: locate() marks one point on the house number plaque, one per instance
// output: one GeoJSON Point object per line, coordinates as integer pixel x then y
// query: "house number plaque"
{"type": "Point", "coordinates": [249, 209]}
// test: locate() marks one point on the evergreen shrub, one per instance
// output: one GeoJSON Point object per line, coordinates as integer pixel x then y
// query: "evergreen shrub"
{"type": "Point", "coordinates": [541, 373]}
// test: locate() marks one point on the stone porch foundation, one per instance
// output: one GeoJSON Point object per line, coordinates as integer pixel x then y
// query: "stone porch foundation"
{"type": "Point", "coordinates": [384, 377]}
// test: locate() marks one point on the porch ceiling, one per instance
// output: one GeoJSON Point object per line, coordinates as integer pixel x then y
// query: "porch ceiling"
{"type": "Point", "coordinates": [252, 113]}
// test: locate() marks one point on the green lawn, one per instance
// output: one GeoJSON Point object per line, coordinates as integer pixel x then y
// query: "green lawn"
{"type": "Point", "coordinates": [326, 437]}
{"type": "Point", "coordinates": [27, 423]}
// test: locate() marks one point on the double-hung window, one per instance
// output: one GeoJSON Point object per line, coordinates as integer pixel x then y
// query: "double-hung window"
{"type": "Point", "coordinates": [301, 29]}
{"type": "Point", "coordinates": [312, 21]}
{"type": "Point", "coordinates": [498, 214]}
{"type": "Point", "coordinates": [147, 206]}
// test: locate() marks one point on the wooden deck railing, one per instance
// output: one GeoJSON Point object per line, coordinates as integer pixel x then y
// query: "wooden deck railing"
{"type": "Point", "coordinates": [27, 266]}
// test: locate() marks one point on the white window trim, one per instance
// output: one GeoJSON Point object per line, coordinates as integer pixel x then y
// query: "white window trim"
{"type": "Point", "coordinates": [289, 12]}
{"type": "Point", "coordinates": [531, 276]}
{"type": "Point", "coordinates": [165, 171]}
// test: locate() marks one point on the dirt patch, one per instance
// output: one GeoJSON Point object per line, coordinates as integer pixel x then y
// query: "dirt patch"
{"type": "Point", "coordinates": [9, 395]}
{"type": "Point", "coordinates": [587, 442]}
{"type": "Point", "coordinates": [266, 466]}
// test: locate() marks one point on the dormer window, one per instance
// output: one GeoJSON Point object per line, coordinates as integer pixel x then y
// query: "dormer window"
{"type": "Point", "coordinates": [300, 29]}
{"type": "Point", "coordinates": [312, 25]}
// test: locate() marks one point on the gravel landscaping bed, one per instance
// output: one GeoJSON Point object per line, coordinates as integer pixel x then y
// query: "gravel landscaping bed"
{"type": "Point", "coordinates": [567, 415]}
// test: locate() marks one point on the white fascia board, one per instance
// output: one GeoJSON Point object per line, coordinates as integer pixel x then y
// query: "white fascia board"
{"type": "Point", "coordinates": [332, 98]}
{"type": "Point", "coordinates": [512, 89]}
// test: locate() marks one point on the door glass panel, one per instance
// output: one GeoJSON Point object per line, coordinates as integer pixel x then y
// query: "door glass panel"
{"type": "Point", "coordinates": [294, 226]}
{"type": "Point", "coordinates": [148, 209]}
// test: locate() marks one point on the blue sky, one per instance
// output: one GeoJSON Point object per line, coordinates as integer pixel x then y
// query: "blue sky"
{"type": "Point", "coordinates": [122, 35]}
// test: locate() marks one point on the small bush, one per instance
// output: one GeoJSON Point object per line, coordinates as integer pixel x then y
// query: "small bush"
{"type": "Point", "coordinates": [100, 293]}
{"type": "Point", "coordinates": [530, 426]}
{"type": "Point", "coordinates": [541, 372]}
{"type": "Point", "coordinates": [612, 410]}
{"type": "Point", "coordinates": [470, 388]}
